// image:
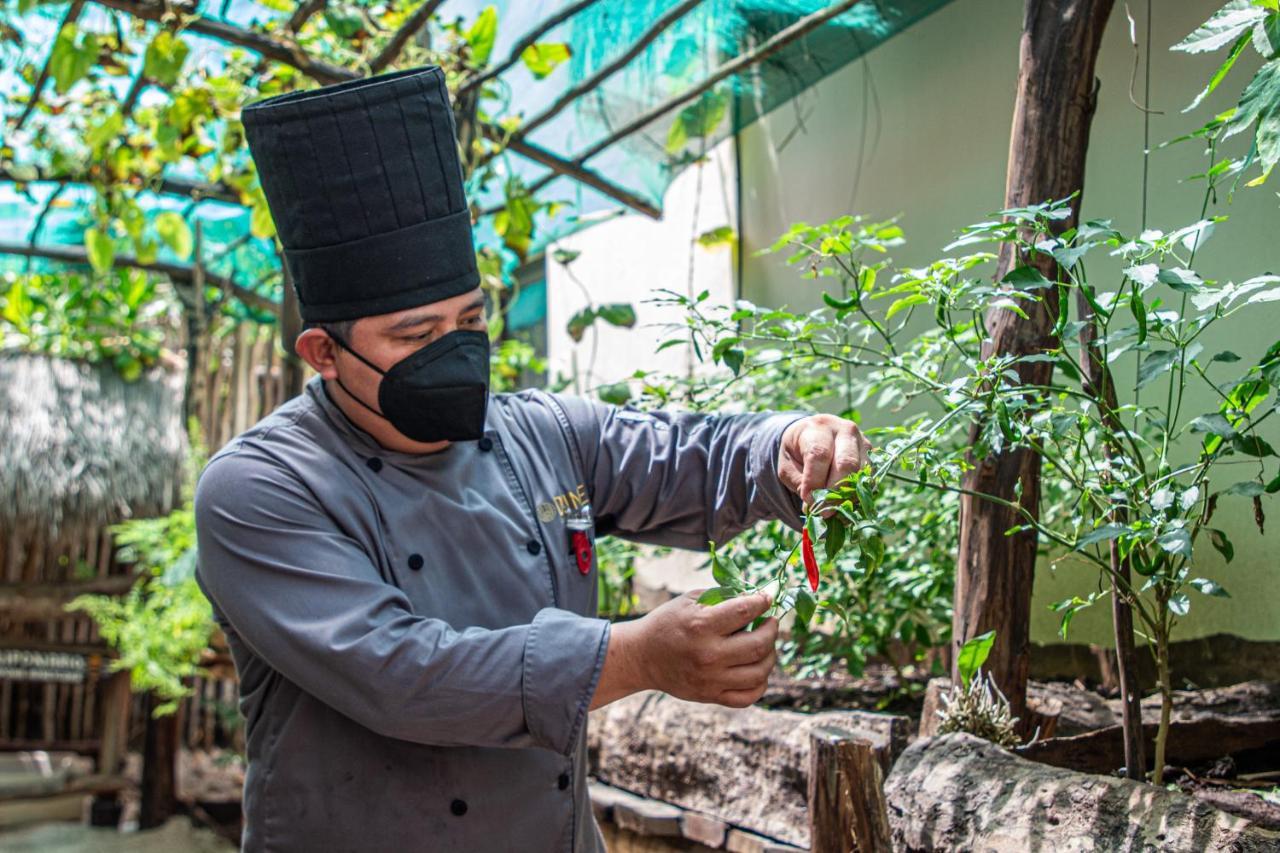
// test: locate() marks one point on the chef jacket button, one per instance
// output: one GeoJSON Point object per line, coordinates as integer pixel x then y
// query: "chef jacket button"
{"type": "Point", "coordinates": [374, 463]}
{"type": "Point", "coordinates": [485, 444]}
{"type": "Point", "coordinates": [415, 561]}
{"type": "Point", "coordinates": [458, 807]}
{"type": "Point", "coordinates": [563, 781]}
{"type": "Point", "coordinates": [534, 546]}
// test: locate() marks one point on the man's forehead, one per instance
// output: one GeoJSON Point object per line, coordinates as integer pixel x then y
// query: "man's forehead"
{"type": "Point", "coordinates": [431, 312]}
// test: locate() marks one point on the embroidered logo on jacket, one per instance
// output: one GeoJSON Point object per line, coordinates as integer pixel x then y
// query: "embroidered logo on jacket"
{"type": "Point", "coordinates": [562, 505]}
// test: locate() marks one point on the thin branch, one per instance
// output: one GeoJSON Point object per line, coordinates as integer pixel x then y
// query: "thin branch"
{"type": "Point", "coordinates": [135, 91]}
{"type": "Point", "coordinates": [766, 49]}
{"type": "Point", "coordinates": [306, 11]}
{"type": "Point", "coordinates": [172, 186]}
{"type": "Point", "coordinates": [524, 44]}
{"type": "Point", "coordinates": [73, 13]}
{"type": "Point", "coordinates": [581, 174]}
{"type": "Point", "coordinates": [323, 72]}
{"type": "Point", "coordinates": [391, 50]}
{"type": "Point", "coordinates": [178, 273]}
{"type": "Point", "coordinates": [591, 83]}
{"type": "Point", "coordinates": [258, 42]}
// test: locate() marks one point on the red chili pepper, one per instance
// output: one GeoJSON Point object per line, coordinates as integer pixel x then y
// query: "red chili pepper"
{"type": "Point", "coordinates": [810, 561]}
{"type": "Point", "coordinates": [582, 550]}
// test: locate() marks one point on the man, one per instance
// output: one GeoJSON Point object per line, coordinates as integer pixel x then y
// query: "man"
{"type": "Point", "coordinates": [404, 565]}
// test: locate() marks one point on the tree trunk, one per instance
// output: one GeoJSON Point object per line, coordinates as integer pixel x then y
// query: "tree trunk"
{"type": "Point", "coordinates": [1051, 120]}
{"type": "Point", "coordinates": [159, 794]}
{"type": "Point", "coordinates": [290, 328]}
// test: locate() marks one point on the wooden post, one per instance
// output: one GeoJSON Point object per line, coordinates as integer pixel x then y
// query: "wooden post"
{"type": "Point", "coordinates": [159, 793]}
{"type": "Point", "coordinates": [847, 809]}
{"type": "Point", "coordinates": [113, 734]}
{"type": "Point", "coordinates": [1051, 121]}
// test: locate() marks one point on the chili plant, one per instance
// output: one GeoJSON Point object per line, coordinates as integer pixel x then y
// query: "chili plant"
{"type": "Point", "coordinates": [1134, 467]}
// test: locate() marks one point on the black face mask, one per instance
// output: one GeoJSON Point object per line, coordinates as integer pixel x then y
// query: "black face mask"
{"type": "Point", "coordinates": [438, 393]}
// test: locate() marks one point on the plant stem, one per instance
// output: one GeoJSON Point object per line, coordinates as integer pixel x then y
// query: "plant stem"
{"type": "Point", "coordinates": [1166, 700]}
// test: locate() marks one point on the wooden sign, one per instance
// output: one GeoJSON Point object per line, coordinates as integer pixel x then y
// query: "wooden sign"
{"type": "Point", "coordinates": [31, 665]}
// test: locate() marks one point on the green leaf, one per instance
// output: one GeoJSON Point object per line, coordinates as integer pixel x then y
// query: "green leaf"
{"type": "Point", "coordinates": [904, 303]}
{"type": "Point", "coordinates": [1026, 278]}
{"type": "Point", "coordinates": [164, 58]}
{"type": "Point", "coordinates": [619, 314]}
{"type": "Point", "coordinates": [100, 249]}
{"type": "Point", "coordinates": [1155, 364]}
{"type": "Point", "coordinates": [1208, 587]}
{"type": "Point", "coordinates": [1223, 27]}
{"type": "Point", "coordinates": [718, 237]}
{"type": "Point", "coordinates": [725, 573]}
{"type": "Point", "coordinates": [1274, 485]}
{"type": "Point", "coordinates": [1245, 488]}
{"type": "Point", "coordinates": [733, 358]}
{"type": "Point", "coordinates": [482, 35]}
{"type": "Point", "coordinates": [973, 655]}
{"type": "Point", "coordinates": [834, 538]}
{"type": "Point", "coordinates": [1101, 534]}
{"type": "Point", "coordinates": [73, 55]}
{"type": "Point", "coordinates": [543, 58]}
{"type": "Point", "coordinates": [1252, 445]}
{"type": "Point", "coordinates": [715, 595]}
{"type": "Point", "coordinates": [1176, 542]}
{"type": "Point", "coordinates": [618, 394]}
{"type": "Point", "coordinates": [1181, 280]}
{"type": "Point", "coordinates": [805, 606]}
{"type": "Point", "coordinates": [1215, 424]}
{"type": "Point", "coordinates": [1225, 356]}
{"type": "Point", "coordinates": [1179, 604]}
{"type": "Point", "coordinates": [564, 257]}
{"type": "Point", "coordinates": [1221, 73]}
{"type": "Point", "coordinates": [1222, 544]}
{"type": "Point", "coordinates": [343, 23]}
{"type": "Point", "coordinates": [579, 322]}
{"type": "Point", "coordinates": [176, 233]}
{"type": "Point", "coordinates": [697, 121]}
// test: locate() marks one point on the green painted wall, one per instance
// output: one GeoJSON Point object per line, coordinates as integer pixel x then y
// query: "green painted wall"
{"type": "Point", "coordinates": [933, 146]}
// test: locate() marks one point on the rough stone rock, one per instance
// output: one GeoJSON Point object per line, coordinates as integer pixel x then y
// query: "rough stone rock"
{"type": "Point", "coordinates": [748, 767]}
{"type": "Point", "coordinates": [959, 793]}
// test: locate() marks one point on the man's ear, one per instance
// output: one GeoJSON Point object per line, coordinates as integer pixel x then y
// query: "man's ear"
{"type": "Point", "coordinates": [317, 349]}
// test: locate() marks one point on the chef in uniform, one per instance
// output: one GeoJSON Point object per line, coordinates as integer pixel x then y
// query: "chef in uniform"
{"type": "Point", "coordinates": [404, 564]}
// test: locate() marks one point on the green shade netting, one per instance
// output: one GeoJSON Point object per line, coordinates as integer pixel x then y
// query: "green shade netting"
{"type": "Point", "coordinates": [682, 52]}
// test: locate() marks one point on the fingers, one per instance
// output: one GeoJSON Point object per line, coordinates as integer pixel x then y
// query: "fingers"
{"type": "Point", "coordinates": [750, 676]}
{"type": "Point", "coordinates": [741, 698]}
{"type": "Point", "coordinates": [817, 446]}
{"type": "Point", "coordinates": [751, 647]}
{"type": "Point", "coordinates": [731, 616]}
{"type": "Point", "coordinates": [850, 454]}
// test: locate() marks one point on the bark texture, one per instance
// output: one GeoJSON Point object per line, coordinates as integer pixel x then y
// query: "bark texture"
{"type": "Point", "coordinates": [1052, 116]}
{"type": "Point", "coordinates": [959, 793]}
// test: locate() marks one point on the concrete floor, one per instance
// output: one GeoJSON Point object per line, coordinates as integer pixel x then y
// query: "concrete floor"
{"type": "Point", "coordinates": [176, 836]}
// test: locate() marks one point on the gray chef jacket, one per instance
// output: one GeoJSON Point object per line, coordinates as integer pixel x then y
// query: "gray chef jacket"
{"type": "Point", "coordinates": [416, 644]}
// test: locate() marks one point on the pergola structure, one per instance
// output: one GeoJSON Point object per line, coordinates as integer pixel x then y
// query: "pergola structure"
{"type": "Point", "coordinates": [747, 45]}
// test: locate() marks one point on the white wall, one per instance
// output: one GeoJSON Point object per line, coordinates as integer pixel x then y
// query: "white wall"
{"type": "Point", "coordinates": [946, 89]}
{"type": "Point", "coordinates": [627, 259]}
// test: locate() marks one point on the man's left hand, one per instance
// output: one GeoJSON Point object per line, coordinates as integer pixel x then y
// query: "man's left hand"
{"type": "Point", "coordinates": [819, 451]}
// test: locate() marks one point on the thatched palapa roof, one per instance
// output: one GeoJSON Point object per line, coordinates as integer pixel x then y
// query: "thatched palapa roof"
{"type": "Point", "coordinates": [83, 446]}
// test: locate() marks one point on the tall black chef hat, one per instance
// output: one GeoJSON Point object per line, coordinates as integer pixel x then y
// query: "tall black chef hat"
{"type": "Point", "coordinates": [364, 184]}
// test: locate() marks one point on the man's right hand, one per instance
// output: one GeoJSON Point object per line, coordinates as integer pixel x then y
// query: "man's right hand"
{"type": "Point", "coordinates": [693, 652]}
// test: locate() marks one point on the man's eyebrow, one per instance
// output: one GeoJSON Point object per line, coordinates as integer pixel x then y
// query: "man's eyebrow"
{"type": "Point", "coordinates": [411, 320]}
